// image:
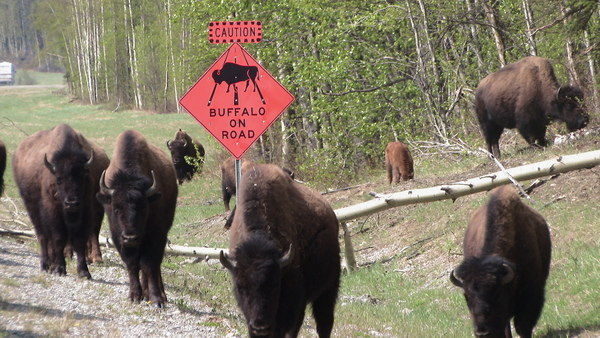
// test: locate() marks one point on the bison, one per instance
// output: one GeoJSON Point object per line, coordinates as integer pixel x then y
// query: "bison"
{"type": "Point", "coordinates": [507, 260]}
{"type": "Point", "coordinates": [183, 148]}
{"type": "Point", "coordinates": [139, 194]}
{"type": "Point", "coordinates": [233, 73]}
{"type": "Point", "coordinates": [2, 165]}
{"type": "Point", "coordinates": [526, 95]}
{"type": "Point", "coordinates": [283, 254]}
{"type": "Point", "coordinates": [57, 173]}
{"type": "Point", "coordinates": [228, 178]}
{"type": "Point", "coordinates": [398, 162]}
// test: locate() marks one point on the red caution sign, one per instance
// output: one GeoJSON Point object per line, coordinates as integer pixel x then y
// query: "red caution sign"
{"type": "Point", "coordinates": [236, 100]}
{"type": "Point", "coordinates": [234, 31]}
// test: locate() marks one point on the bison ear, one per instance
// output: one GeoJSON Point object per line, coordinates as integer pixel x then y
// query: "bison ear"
{"type": "Point", "coordinates": [102, 198]}
{"type": "Point", "coordinates": [229, 264]}
{"type": "Point", "coordinates": [455, 280]}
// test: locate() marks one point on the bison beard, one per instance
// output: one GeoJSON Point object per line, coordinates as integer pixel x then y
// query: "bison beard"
{"type": "Point", "coordinates": [526, 95]}
{"type": "Point", "coordinates": [507, 259]}
{"type": "Point", "coordinates": [284, 254]}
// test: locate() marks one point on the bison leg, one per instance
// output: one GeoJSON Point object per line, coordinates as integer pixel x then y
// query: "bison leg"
{"type": "Point", "coordinates": [58, 265]}
{"type": "Point", "coordinates": [153, 283]}
{"type": "Point", "coordinates": [135, 288]}
{"type": "Point", "coordinates": [82, 268]}
{"type": "Point", "coordinates": [323, 312]}
{"type": "Point", "coordinates": [492, 133]}
{"type": "Point", "coordinates": [388, 168]}
{"type": "Point", "coordinates": [528, 313]}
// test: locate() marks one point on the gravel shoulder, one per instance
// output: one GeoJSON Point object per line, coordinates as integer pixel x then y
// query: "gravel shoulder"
{"type": "Point", "coordinates": [36, 304]}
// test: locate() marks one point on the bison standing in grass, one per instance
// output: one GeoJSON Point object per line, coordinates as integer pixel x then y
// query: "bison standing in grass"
{"type": "Point", "coordinates": [507, 252]}
{"type": "Point", "coordinates": [2, 165]}
{"type": "Point", "coordinates": [526, 95]}
{"type": "Point", "coordinates": [398, 162]}
{"type": "Point", "coordinates": [139, 193]}
{"type": "Point", "coordinates": [57, 173]}
{"type": "Point", "coordinates": [184, 149]}
{"type": "Point", "coordinates": [283, 254]}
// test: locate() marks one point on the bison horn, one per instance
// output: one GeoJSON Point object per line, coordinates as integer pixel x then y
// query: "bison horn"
{"type": "Point", "coordinates": [184, 143]}
{"type": "Point", "coordinates": [103, 188]}
{"type": "Point", "coordinates": [168, 144]}
{"type": "Point", "coordinates": [559, 93]}
{"type": "Point", "coordinates": [455, 280]}
{"type": "Point", "coordinates": [229, 264]}
{"type": "Point", "coordinates": [287, 258]}
{"type": "Point", "coordinates": [510, 275]}
{"type": "Point", "coordinates": [89, 161]}
{"type": "Point", "coordinates": [152, 190]}
{"type": "Point", "coordinates": [49, 165]}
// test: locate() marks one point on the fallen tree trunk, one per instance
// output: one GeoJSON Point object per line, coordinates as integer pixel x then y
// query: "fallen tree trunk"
{"type": "Point", "coordinates": [439, 193]}
{"type": "Point", "coordinates": [475, 185]}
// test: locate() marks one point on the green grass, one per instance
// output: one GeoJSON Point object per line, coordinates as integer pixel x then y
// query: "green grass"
{"type": "Point", "coordinates": [403, 292]}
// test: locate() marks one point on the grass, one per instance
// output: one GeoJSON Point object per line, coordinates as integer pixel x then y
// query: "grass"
{"type": "Point", "coordinates": [401, 288]}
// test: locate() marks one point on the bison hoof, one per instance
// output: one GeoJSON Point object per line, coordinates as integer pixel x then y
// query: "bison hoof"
{"type": "Point", "coordinates": [85, 274]}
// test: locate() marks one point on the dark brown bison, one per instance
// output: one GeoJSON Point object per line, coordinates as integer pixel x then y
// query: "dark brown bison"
{"type": "Point", "coordinates": [139, 193]}
{"type": "Point", "coordinates": [228, 178]}
{"type": "Point", "coordinates": [398, 162]}
{"type": "Point", "coordinates": [507, 259]}
{"type": "Point", "coordinates": [283, 254]}
{"type": "Point", "coordinates": [57, 173]}
{"type": "Point", "coordinates": [526, 95]}
{"type": "Point", "coordinates": [182, 148]}
{"type": "Point", "coordinates": [2, 165]}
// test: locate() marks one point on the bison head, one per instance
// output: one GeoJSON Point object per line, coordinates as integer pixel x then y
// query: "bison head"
{"type": "Point", "coordinates": [256, 273]}
{"type": "Point", "coordinates": [71, 170]}
{"type": "Point", "coordinates": [127, 204]}
{"type": "Point", "coordinates": [569, 108]}
{"type": "Point", "coordinates": [488, 285]}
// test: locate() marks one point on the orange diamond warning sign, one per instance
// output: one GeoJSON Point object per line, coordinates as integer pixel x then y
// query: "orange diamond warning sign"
{"type": "Point", "coordinates": [236, 100]}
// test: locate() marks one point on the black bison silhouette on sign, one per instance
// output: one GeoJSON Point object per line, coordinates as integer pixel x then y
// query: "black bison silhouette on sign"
{"type": "Point", "coordinates": [232, 73]}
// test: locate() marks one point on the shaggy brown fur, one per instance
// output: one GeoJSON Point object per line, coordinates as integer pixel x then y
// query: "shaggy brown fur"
{"type": "Point", "coordinates": [182, 146]}
{"type": "Point", "coordinates": [58, 185]}
{"type": "Point", "coordinates": [139, 193]}
{"type": "Point", "coordinates": [507, 252]}
{"type": "Point", "coordinates": [526, 95]}
{"type": "Point", "coordinates": [398, 162]}
{"type": "Point", "coordinates": [284, 253]}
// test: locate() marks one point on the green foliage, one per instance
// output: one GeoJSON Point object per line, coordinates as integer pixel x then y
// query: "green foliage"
{"type": "Point", "coordinates": [363, 73]}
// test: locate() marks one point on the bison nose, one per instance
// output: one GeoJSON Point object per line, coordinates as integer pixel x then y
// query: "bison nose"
{"type": "Point", "coordinates": [70, 203]}
{"type": "Point", "coordinates": [129, 239]}
{"type": "Point", "coordinates": [259, 328]}
{"type": "Point", "coordinates": [482, 332]}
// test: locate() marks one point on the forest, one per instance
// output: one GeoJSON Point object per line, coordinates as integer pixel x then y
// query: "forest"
{"type": "Point", "coordinates": [363, 72]}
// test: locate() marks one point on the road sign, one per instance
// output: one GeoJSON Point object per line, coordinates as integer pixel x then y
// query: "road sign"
{"type": "Point", "coordinates": [234, 31]}
{"type": "Point", "coordinates": [236, 100]}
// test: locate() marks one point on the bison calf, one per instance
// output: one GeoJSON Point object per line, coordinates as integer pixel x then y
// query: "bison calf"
{"type": "Point", "coordinates": [526, 95]}
{"type": "Point", "coordinates": [507, 260]}
{"type": "Point", "coordinates": [398, 162]}
{"type": "Point", "coordinates": [57, 173]}
{"type": "Point", "coordinates": [139, 193]}
{"type": "Point", "coordinates": [283, 254]}
{"type": "Point", "coordinates": [183, 148]}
